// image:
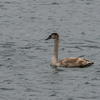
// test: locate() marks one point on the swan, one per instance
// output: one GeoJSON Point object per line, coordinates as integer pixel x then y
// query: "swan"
{"type": "Point", "coordinates": [70, 62]}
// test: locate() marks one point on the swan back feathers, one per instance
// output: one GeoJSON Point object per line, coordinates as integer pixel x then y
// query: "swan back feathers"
{"type": "Point", "coordinates": [74, 62]}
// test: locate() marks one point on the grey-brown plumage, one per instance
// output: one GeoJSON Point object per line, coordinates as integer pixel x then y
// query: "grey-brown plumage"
{"type": "Point", "coordinates": [67, 62]}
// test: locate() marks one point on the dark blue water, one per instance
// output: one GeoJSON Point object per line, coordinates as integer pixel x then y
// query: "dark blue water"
{"type": "Point", "coordinates": [25, 71]}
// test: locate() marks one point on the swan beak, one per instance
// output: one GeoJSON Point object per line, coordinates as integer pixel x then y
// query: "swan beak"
{"type": "Point", "coordinates": [48, 38]}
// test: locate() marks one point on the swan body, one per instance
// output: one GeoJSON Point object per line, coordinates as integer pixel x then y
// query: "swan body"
{"type": "Point", "coordinates": [70, 62]}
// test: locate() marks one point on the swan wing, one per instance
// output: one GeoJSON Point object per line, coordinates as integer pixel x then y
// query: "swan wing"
{"type": "Point", "coordinates": [74, 62]}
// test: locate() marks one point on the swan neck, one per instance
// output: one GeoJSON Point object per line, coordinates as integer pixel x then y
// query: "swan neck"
{"type": "Point", "coordinates": [56, 45]}
{"type": "Point", "coordinates": [55, 53]}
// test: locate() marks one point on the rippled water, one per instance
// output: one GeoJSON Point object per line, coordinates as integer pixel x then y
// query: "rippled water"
{"type": "Point", "coordinates": [25, 71]}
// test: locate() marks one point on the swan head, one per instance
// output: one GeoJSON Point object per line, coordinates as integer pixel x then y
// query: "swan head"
{"type": "Point", "coordinates": [53, 36]}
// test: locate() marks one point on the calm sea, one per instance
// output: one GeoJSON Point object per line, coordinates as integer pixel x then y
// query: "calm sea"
{"type": "Point", "coordinates": [25, 71]}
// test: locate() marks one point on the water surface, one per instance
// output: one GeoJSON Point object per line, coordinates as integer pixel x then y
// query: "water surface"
{"type": "Point", "coordinates": [25, 71]}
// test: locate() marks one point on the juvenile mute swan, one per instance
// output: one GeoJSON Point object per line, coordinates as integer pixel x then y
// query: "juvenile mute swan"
{"type": "Point", "coordinates": [67, 62]}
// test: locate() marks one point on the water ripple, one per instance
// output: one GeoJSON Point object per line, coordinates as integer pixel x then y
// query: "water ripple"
{"type": "Point", "coordinates": [7, 89]}
{"type": "Point", "coordinates": [25, 71]}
